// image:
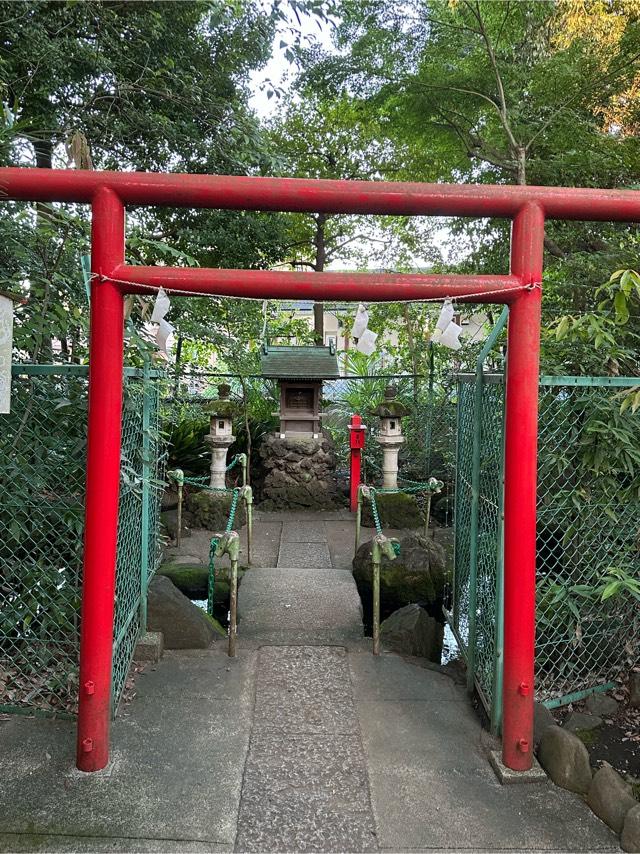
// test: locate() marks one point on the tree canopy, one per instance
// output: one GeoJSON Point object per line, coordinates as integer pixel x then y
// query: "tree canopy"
{"type": "Point", "coordinates": [541, 92]}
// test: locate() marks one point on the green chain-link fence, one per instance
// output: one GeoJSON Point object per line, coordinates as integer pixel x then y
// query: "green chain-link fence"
{"type": "Point", "coordinates": [42, 473]}
{"type": "Point", "coordinates": [587, 536]}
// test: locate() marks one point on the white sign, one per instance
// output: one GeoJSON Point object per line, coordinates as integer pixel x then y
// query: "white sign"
{"type": "Point", "coordinates": [6, 345]}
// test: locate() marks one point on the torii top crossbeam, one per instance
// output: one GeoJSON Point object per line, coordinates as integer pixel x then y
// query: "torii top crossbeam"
{"type": "Point", "coordinates": [110, 192]}
{"type": "Point", "coordinates": [319, 196]}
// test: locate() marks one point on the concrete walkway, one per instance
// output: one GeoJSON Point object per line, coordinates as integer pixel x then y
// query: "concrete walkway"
{"type": "Point", "coordinates": [304, 742]}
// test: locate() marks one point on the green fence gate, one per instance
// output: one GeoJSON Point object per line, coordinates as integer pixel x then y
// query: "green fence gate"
{"type": "Point", "coordinates": [588, 511]}
{"type": "Point", "coordinates": [42, 473]}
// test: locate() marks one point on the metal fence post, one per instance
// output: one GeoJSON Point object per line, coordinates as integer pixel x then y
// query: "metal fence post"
{"type": "Point", "coordinates": [146, 493]}
{"type": "Point", "coordinates": [498, 646]}
{"type": "Point", "coordinates": [474, 527]}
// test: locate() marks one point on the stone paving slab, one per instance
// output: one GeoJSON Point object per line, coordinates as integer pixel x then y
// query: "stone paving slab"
{"type": "Point", "coordinates": [17, 843]}
{"type": "Point", "coordinates": [304, 532]}
{"type": "Point", "coordinates": [265, 546]}
{"type": "Point", "coordinates": [388, 676]}
{"type": "Point", "coordinates": [305, 689]}
{"type": "Point", "coordinates": [303, 515]}
{"type": "Point", "coordinates": [175, 772]}
{"type": "Point", "coordinates": [292, 606]}
{"type": "Point", "coordinates": [305, 784]}
{"type": "Point", "coordinates": [432, 786]}
{"type": "Point", "coordinates": [302, 555]}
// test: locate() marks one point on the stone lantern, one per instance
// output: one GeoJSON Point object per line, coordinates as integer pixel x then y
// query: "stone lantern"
{"type": "Point", "coordinates": [391, 412]}
{"type": "Point", "coordinates": [220, 435]}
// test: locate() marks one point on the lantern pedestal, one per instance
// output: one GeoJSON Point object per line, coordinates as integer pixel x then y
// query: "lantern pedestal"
{"type": "Point", "coordinates": [390, 447]}
{"type": "Point", "coordinates": [219, 448]}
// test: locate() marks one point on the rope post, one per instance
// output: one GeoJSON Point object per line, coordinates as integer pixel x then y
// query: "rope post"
{"type": "Point", "coordinates": [177, 475]}
{"type": "Point", "coordinates": [234, 550]}
{"type": "Point", "coordinates": [242, 459]}
{"type": "Point", "coordinates": [247, 496]}
{"type": "Point", "coordinates": [376, 601]}
{"type": "Point", "coordinates": [434, 486]}
{"type": "Point", "coordinates": [382, 547]}
{"type": "Point", "coordinates": [427, 515]}
{"type": "Point", "coordinates": [229, 543]}
{"type": "Point", "coordinates": [211, 580]}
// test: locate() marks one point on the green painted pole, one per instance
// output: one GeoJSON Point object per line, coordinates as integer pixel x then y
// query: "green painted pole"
{"type": "Point", "coordinates": [376, 602]}
{"type": "Point", "coordinates": [498, 656]}
{"type": "Point", "coordinates": [146, 494]}
{"type": "Point", "coordinates": [247, 495]}
{"type": "Point", "coordinates": [233, 607]}
{"type": "Point", "coordinates": [475, 495]}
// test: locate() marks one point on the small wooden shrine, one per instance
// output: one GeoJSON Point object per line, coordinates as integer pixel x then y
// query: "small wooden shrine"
{"type": "Point", "coordinates": [300, 372]}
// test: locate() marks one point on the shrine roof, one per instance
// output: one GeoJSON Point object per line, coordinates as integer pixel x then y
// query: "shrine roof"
{"type": "Point", "coordinates": [299, 363]}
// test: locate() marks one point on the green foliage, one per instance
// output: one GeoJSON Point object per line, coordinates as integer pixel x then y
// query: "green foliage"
{"type": "Point", "coordinates": [187, 448]}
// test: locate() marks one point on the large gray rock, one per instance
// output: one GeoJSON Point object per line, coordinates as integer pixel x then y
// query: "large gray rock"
{"type": "Point", "coordinates": [169, 499]}
{"type": "Point", "coordinates": [630, 839]}
{"type": "Point", "coordinates": [581, 722]}
{"type": "Point", "coordinates": [192, 579]}
{"type": "Point", "coordinates": [170, 521]}
{"type": "Point", "coordinates": [634, 689]}
{"type": "Point", "coordinates": [610, 797]}
{"type": "Point", "coordinates": [411, 631]}
{"type": "Point", "coordinates": [299, 473]}
{"type": "Point", "coordinates": [542, 720]}
{"type": "Point", "coordinates": [565, 759]}
{"type": "Point", "coordinates": [210, 510]}
{"type": "Point", "coordinates": [601, 704]}
{"type": "Point", "coordinates": [396, 510]}
{"type": "Point", "coordinates": [416, 575]}
{"type": "Point", "coordinates": [183, 625]}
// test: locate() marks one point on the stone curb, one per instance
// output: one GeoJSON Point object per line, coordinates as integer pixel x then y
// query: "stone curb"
{"type": "Point", "coordinates": [607, 794]}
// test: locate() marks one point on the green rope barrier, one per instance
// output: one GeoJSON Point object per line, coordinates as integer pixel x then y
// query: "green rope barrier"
{"type": "Point", "coordinates": [376, 517]}
{"type": "Point", "coordinates": [202, 481]}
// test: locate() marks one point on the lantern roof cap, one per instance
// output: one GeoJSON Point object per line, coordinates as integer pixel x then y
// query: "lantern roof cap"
{"type": "Point", "coordinates": [222, 406]}
{"type": "Point", "coordinates": [390, 407]}
{"type": "Point", "coordinates": [299, 363]}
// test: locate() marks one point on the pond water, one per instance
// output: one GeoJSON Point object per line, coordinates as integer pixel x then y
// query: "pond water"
{"type": "Point", "coordinates": [450, 648]}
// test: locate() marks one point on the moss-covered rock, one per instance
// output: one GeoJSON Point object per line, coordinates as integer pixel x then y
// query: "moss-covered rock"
{"type": "Point", "coordinates": [169, 519]}
{"type": "Point", "coordinates": [210, 510]}
{"type": "Point", "coordinates": [418, 574]}
{"type": "Point", "coordinates": [183, 625]}
{"type": "Point", "coordinates": [193, 580]}
{"type": "Point", "coordinates": [216, 625]}
{"type": "Point", "coordinates": [396, 510]}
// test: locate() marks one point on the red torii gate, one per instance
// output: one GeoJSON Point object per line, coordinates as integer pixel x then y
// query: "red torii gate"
{"type": "Point", "coordinates": [110, 192]}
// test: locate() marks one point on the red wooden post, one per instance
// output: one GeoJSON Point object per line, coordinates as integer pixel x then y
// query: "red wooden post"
{"type": "Point", "coordinates": [103, 480]}
{"type": "Point", "coordinates": [356, 443]}
{"type": "Point", "coordinates": [520, 474]}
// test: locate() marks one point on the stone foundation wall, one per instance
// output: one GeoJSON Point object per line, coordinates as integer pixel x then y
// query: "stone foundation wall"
{"type": "Point", "coordinates": [299, 473]}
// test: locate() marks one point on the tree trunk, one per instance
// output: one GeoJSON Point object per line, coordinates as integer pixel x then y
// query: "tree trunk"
{"type": "Point", "coordinates": [321, 256]}
{"type": "Point", "coordinates": [521, 165]}
{"type": "Point", "coordinates": [412, 350]}
{"type": "Point", "coordinates": [43, 348]}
